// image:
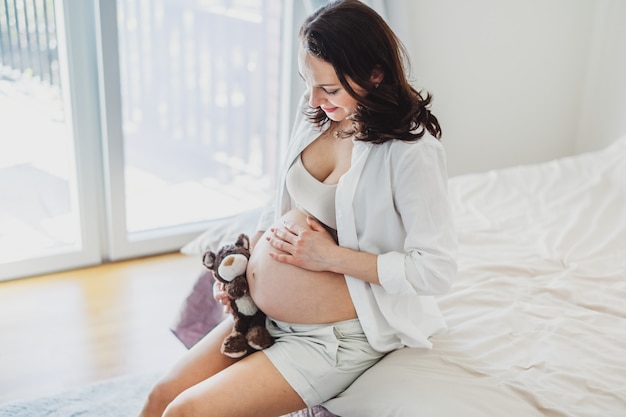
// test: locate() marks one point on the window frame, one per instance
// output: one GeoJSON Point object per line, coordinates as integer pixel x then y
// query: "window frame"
{"type": "Point", "coordinates": [78, 75]}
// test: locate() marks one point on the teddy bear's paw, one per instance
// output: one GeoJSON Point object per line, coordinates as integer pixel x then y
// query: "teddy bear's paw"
{"type": "Point", "coordinates": [235, 355]}
{"type": "Point", "coordinates": [259, 338]}
{"type": "Point", "coordinates": [235, 346]}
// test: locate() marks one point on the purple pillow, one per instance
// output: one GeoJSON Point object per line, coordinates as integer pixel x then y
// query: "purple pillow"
{"type": "Point", "coordinates": [199, 313]}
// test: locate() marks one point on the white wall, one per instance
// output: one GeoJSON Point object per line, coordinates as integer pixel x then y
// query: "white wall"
{"type": "Point", "coordinates": [509, 77]}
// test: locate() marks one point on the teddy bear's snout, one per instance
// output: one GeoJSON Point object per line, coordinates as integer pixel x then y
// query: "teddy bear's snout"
{"type": "Point", "coordinates": [233, 266]}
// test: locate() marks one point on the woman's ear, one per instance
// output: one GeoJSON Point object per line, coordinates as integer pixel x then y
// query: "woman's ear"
{"type": "Point", "coordinates": [377, 75]}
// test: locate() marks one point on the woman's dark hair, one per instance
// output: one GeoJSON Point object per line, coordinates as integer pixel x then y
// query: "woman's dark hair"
{"type": "Point", "coordinates": [356, 41]}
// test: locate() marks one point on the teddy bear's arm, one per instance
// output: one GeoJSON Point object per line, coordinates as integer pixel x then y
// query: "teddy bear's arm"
{"type": "Point", "coordinates": [237, 288]}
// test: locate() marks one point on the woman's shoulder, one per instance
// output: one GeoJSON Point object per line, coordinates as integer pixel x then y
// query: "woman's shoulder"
{"type": "Point", "coordinates": [424, 152]}
{"type": "Point", "coordinates": [425, 144]}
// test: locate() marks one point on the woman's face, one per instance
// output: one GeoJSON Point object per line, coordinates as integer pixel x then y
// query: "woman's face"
{"type": "Point", "coordinates": [325, 90]}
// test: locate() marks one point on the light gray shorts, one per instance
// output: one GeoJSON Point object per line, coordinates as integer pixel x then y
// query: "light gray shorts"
{"type": "Point", "coordinates": [320, 360]}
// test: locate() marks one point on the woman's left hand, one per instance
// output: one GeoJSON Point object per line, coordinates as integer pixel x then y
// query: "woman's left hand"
{"type": "Point", "coordinates": [305, 248]}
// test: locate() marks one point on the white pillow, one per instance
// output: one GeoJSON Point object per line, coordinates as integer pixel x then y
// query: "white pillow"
{"type": "Point", "coordinates": [224, 231]}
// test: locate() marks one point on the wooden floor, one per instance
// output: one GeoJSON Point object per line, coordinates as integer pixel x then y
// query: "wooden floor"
{"type": "Point", "coordinates": [69, 329]}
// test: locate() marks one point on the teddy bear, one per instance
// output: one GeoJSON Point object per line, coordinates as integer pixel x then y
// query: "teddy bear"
{"type": "Point", "coordinates": [229, 267]}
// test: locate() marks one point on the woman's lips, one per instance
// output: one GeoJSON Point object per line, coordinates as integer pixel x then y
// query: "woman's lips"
{"type": "Point", "coordinates": [329, 110]}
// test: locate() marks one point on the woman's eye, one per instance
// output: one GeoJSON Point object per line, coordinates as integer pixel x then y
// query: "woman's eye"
{"type": "Point", "coordinates": [332, 92]}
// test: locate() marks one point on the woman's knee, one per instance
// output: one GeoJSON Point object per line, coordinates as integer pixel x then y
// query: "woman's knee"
{"type": "Point", "coordinates": [183, 406]}
{"type": "Point", "coordinates": [176, 408]}
{"type": "Point", "coordinates": [160, 396]}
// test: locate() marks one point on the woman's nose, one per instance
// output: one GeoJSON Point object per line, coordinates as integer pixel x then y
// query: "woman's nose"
{"type": "Point", "coordinates": [314, 98]}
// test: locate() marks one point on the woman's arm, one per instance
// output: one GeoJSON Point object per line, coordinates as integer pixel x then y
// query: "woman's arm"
{"type": "Point", "coordinates": [425, 264]}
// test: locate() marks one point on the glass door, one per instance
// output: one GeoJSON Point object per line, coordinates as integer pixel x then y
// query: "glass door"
{"type": "Point", "coordinates": [191, 99]}
{"type": "Point", "coordinates": [129, 126]}
{"type": "Point", "coordinates": [46, 191]}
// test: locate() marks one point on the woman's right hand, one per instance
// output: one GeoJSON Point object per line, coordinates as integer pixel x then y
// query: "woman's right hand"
{"type": "Point", "coordinates": [220, 295]}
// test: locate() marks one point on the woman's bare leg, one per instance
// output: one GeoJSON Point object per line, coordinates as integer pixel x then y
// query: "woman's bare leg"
{"type": "Point", "coordinates": [201, 362]}
{"type": "Point", "coordinates": [207, 383]}
{"type": "Point", "coordinates": [251, 387]}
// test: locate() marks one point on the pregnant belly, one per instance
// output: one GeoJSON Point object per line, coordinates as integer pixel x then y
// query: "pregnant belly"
{"type": "Point", "coordinates": [288, 293]}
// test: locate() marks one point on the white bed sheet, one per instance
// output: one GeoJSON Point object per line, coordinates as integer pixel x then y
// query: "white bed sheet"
{"type": "Point", "coordinates": [537, 314]}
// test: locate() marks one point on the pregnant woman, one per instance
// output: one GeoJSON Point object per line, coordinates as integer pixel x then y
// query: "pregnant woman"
{"type": "Point", "coordinates": [358, 241]}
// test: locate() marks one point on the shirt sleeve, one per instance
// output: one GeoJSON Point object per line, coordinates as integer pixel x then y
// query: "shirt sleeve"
{"type": "Point", "coordinates": [427, 264]}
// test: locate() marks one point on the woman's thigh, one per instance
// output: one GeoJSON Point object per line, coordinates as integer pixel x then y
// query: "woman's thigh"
{"type": "Point", "coordinates": [208, 383]}
{"type": "Point", "coordinates": [202, 361]}
{"type": "Point", "coordinates": [199, 363]}
{"type": "Point", "coordinates": [250, 387]}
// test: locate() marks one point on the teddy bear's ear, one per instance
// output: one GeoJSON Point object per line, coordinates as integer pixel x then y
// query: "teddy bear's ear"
{"type": "Point", "coordinates": [243, 240]}
{"type": "Point", "coordinates": [208, 259]}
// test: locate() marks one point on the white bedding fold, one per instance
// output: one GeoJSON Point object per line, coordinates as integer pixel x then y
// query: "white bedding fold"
{"type": "Point", "coordinates": [541, 298]}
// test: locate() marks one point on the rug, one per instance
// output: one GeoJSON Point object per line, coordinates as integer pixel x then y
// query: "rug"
{"type": "Point", "coordinates": [122, 396]}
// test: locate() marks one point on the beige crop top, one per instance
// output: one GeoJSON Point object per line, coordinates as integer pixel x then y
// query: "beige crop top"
{"type": "Point", "coordinates": [311, 195]}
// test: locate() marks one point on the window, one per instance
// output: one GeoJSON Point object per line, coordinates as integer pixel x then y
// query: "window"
{"type": "Point", "coordinates": [169, 116]}
{"type": "Point", "coordinates": [200, 90]}
{"type": "Point", "coordinates": [196, 120]}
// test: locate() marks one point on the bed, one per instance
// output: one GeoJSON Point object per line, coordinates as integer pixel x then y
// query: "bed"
{"type": "Point", "coordinates": [537, 313]}
{"type": "Point", "coordinates": [536, 316]}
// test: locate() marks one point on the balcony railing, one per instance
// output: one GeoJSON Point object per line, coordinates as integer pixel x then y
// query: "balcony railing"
{"type": "Point", "coordinates": [28, 42]}
{"type": "Point", "coordinates": [199, 81]}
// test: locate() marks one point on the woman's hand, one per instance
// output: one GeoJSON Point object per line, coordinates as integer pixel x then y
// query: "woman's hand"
{"type": "Point", "coordinates": [221, 296]}
{"type": "Point", "coordinates": [305, 248]}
